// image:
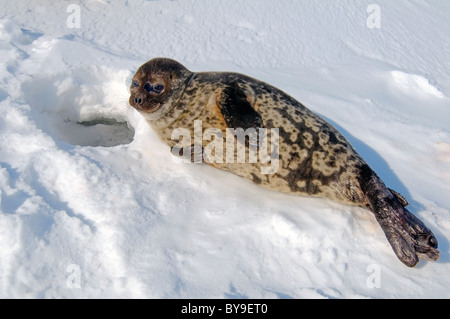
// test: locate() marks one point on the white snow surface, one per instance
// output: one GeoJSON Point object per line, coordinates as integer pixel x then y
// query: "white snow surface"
{"type": "Point", "coordinates": [92, 206]}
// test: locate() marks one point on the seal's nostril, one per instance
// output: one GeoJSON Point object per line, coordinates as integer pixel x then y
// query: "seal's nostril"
{"type": "Point", "coordinates": [138, 100]}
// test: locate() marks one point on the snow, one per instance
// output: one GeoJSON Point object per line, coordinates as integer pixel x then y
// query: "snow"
{"type": "Point", "coordinates": [92, 206]}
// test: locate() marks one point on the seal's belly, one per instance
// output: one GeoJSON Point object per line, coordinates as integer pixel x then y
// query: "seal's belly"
{"type": "Point", "coordinates": [301, 172]}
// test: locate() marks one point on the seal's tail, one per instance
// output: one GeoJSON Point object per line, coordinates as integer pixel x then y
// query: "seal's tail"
{"type": "Point", "coordinates": [409, 237]}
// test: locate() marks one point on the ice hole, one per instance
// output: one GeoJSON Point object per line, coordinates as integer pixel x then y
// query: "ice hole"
{"type": "Point", "coordinates": [82, 107]}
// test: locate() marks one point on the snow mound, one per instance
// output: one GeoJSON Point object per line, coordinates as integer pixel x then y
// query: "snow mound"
{"type": "Point", "coordinates": [413, 84]}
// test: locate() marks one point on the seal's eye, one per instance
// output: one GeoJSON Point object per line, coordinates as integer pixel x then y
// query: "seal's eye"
{"type": "Point", "coordinates": [134, 84]}
{"type": "Point", "coordinates": [158, 88]}
{"type": "Point", "coordinates": [155, 88]}
{"type": "Point", "coordinates": [148, 87]}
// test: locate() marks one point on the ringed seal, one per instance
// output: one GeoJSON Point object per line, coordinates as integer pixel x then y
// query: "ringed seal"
{"type": "Point", "coordinates": [314, 159]}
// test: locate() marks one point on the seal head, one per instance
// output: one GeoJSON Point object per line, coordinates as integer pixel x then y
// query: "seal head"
{"type": "Point", "coordinates": [156, 87]}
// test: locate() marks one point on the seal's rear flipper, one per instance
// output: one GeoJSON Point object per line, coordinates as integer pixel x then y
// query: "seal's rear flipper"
{"type": "Point", "coordinates": [409, 237]}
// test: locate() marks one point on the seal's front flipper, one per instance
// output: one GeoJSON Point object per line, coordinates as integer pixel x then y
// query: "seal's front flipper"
{"type": "Point", "coordinates": [408, 236]}
{"type": "Point", "coordinates": [237, 110]}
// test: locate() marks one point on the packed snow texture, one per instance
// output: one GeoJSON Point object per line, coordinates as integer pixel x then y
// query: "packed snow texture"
{"type": "Point", "coordinates": [91, 204]}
